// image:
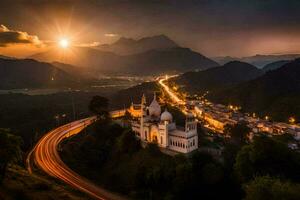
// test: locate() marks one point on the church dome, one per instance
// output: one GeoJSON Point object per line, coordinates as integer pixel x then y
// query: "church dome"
{"type": "Point", "coordinates": [154, 108]}
{"type": "Point", "coordinates": [166, 116]}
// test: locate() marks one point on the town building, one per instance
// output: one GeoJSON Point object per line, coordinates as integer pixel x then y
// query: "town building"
{"type": "Point", "coordinates": [153, 126]}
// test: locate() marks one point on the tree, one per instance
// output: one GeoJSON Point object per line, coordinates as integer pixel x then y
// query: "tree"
{"type": "Point", "coordinates": [230, 152]}
{"type": "Point", "coordinates": [9, 150]}
{"type": "Point", "coordinates": [265, 187]}
{"type": "Point", "coordinates": [238, 133]}
{"type": "Point", "coordinates": [99, 106]}
{"type": "Point", "coordinates": [127, 143]}
{"type": "Point", "coordinates": [266, 156]}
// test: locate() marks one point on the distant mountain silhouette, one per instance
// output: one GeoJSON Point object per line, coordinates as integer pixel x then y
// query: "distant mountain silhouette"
{"type": "Point", "coordinates": [79, 56]}
{"type": "Point", "coordinates": [5, 57]}
{"type": "Point", "coordinates": [27, 73]}
{"type": "Point", "coordinates": [258, 60]}
{"type": "Point", "coordinates": [223, 60]}
{"type": "Point", "coordinates": [151, 62]}
{"type": "Point", "coordinates": [276, 93]}
{"type": "Point", "coordinates": [218, 77]}
{"type": "Point", "coordinates": [127, 46]}
{"type": "Point", "coordinates": [166, 61]}
{"type": "Point", "coordinates": [274, 65]}
{"type": "Point", "coordinates": [75, 71]}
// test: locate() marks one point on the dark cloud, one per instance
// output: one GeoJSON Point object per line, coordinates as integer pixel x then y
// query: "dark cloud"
{"type": "Point", "coordinates": [8, 37]}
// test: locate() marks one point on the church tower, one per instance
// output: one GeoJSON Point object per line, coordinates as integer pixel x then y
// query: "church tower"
{"type": "Point", "coordinates": [144, 135]}
{"type": "Point", "coordinates": [190, 124]}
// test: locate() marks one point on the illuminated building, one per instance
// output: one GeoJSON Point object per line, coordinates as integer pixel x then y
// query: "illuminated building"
{"type": "Point", "coordinates": [154, 126]}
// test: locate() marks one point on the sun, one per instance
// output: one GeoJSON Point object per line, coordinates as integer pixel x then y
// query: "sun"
{"type": "Point", "coordinates": [64, 43]}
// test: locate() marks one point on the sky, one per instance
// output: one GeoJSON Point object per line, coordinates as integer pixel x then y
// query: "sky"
{"type": "Point", "coordinates": [212, 27]}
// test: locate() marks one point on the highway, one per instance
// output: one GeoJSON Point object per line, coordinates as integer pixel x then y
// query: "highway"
{"type": "Point", "coordinates": [46, 157]}
{"type": "Point", "coordinates": [253, 122]}
{"type": "Point", "coordinates": [173, 96]}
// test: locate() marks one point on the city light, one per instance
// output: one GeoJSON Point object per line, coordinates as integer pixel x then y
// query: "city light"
{"type": "Point", "coordinates": [173, 96]}
{"type": "Point", "coordinates": [267, 117]}
{"type": "Point", "coordinates": [292, 120]}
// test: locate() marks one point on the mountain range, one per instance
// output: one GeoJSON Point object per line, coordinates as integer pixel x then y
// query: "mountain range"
{"type": "Point", "coordinates": [218, 77]}
{"type": "Point", "coordinates": [273, 90]}
{"type": "Point", "coordinates": [274, 65]}
{"type": "Point", "coordinates": [128, 46]}
{"type": "Point", "coordinates": [152, 56]}
{"type": "Point", "coordinates": [258, 60]}
{"type": "Point", "coordinates": [28, 73]}
{"type": "Point", "coordinates": [276, 93]}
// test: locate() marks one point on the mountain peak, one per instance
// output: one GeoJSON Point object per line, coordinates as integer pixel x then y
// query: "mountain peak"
{"type": "Point", "coordinates": [239, 64]}
{"type": "Point", "coordinates": [124, 41]}
{"type": "Point", "coordinates": [127, 46]}
{"type": "Point", "coordinates": [158, 38]}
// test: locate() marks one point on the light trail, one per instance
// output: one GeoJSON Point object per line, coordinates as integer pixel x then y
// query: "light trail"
{"type": "Point", "coordinates": [45, 156]}
{"type": "Point", "coordinates": [173, 96]}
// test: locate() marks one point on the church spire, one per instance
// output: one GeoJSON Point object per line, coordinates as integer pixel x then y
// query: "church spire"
{"type": "Point", "coordinates": [143, 99]}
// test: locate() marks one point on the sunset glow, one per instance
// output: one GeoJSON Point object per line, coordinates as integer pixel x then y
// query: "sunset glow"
{"type": "Point", "coordinates": [64, 43]}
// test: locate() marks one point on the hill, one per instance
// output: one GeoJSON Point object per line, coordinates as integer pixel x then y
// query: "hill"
{"type": "Point", "coordinates": [19, 184]}
{"type": "Point", "coordinates": [133, 94]}
{"type": "Point", "coordinates": [78, 72]}
{"type": "Point", "coordinates": [276, 93]}
{"type": "Point", "coordinates": [79, 56]}
{"type": "Point", "coordinates": [5, 57]}
{"type": "Point", "coordinates": [218, 77]}
{"type": "Point", "coordinates": [31, 74]}
{"type": "Point", "coordinates": [258, 60]}
{"type": "Point", "coordinates": [274, 65]}
{"type": "Point", "coordinates": [148, 63]}
{"type": "Point", "coordinates": [127, 46]}
{"type": "Point", "coordinates": [167, 61]}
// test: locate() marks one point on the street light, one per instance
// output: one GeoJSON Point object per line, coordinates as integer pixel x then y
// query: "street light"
{"type": "Point", "coordinates": [267, 117]}
{"type": "Point", "coordinates": [292, 120]}
{"type": "Point", "coordinates": [57, 119]}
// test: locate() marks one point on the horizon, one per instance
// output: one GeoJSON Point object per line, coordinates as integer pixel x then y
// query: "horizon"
{"type": "Point", "coordinates": [57, 43]}
{"type": "Point", "coordinates": [212, 28]}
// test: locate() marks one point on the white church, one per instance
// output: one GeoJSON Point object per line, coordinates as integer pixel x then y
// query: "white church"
{"type": "Point", "coordinates": [153, 126]}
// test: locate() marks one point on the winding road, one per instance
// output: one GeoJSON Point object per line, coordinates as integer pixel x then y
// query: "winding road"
{"type": "Point", "coordinates": [46, 157]}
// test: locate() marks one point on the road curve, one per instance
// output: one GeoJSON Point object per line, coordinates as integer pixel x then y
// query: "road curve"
{"type": "Point", "coordinates": [45, 155]}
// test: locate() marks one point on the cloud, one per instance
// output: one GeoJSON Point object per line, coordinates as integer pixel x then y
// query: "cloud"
{"type": "Point", "coordinates": [93, 44]}
{"type": "Point", "coordinates": [8, 37]}
{"type": "Point", "coordinates": [110, 35]}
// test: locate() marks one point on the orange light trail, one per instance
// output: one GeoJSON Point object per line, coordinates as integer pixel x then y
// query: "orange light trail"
{"type": "Point", "coordinates": [173, 96]}
{"type": "Point", "coordinates": [45, 155]}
